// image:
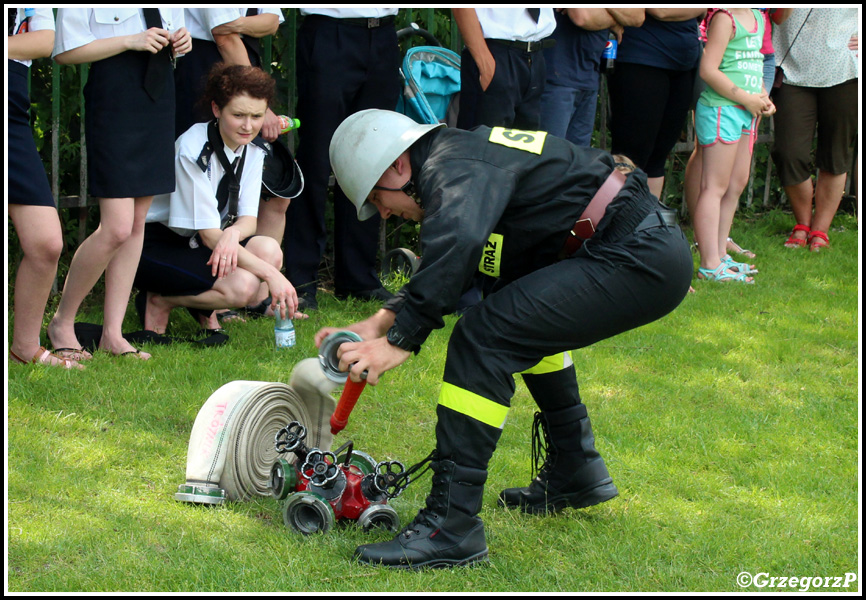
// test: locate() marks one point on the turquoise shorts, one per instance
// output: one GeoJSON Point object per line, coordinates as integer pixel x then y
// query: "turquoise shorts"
{"type": "Point", "coordinates": [726, 124]}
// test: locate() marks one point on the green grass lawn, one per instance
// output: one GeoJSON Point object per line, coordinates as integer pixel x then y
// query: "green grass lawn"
{"type": "Point", "coordinates": [731, 429]}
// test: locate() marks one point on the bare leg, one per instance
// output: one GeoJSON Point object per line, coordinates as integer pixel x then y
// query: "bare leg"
{"type": "Point", "coordinates": [731, 200]}
{"type": "Point", "coordinates": [272, 218]}
{"type": "Point", "coordinates": [88, 264]}
{"type": "Point", "coordinates": [718, 165]}
{"type": "Point", "coordinates": [41, 239]}
{"type": "Point", "coordinates": [828, 196]}
{"type": "Point", "coordinates": [656, 186]}
{"type": "Point", "coordinates": [235, 291]}
{"type": "Point", "coordinates": [800, 196]}
{"type": "Point", "coordinates": [119, 276]}
{"type": "Point", "coordinates": [692, 183]}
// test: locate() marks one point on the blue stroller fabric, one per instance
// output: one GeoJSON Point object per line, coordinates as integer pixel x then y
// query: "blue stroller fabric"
{"type": "Point", "coordinates": [431, 78]}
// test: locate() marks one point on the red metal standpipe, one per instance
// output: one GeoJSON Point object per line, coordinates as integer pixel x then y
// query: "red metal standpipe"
{"type": "Point", "coordinates": [331, 366]}
{"type": "Point", "coordinates": [347, 401]}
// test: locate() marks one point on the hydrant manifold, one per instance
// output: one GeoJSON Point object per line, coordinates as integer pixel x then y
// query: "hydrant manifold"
{"type": "Point", "coordinates": [320, 487]}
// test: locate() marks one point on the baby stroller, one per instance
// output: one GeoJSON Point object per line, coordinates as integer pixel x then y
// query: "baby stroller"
{"type": "Point", "coordinates": [431, 93]}
{"type": "Point", "coordinates": [431, 78]}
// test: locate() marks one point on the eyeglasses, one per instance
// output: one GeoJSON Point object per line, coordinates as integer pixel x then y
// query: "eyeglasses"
{"type": "Point", "coordinates": [408, 188]}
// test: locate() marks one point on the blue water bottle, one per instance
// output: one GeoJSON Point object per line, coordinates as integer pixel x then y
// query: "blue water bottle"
{"type": "Point", "coordinates": [284, 331]}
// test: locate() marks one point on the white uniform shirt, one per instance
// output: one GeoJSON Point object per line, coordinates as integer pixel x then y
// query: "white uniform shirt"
{"type": "Point", "coordinates": [42, 19]}
{"type": "Point", "coordinates": [515, 24]}
{"type": "Point", "coordinates": [77, 27]}
{"type": "Point", "coordinates": [193, 204]}
{"type": "Point", "coordinates": [201, 21]}
{"type": "Point", "coordinates": [351, 13]}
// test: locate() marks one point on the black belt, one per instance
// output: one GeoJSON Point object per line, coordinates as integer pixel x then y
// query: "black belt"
{"type": "Point", "coordinates": [659, 217]}
{"type": "Point", "coordinates": [371, 23]}
{"type": "Point", "coordinates": [526, 46]}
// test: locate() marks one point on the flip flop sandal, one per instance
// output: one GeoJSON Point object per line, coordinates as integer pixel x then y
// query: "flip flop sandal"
{"type": "Point", "coordinates": [134, 352]}
{"type": "Point", "coordinates": [259, 310]}
{"type": "Point", "coordinates": [230, 315]}
{"type": "Point", "coordinates": [793, 242]}
{"type": "Point", "coordinates": [721, 273]}
{"type": "Point", "coordinates": [75, 354]}
{"type": "Point", "coordinates": [735, 247]}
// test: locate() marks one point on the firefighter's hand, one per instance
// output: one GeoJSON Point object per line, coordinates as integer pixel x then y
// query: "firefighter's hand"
{"type": "Point", "coordinates": [375, 357]}
{"type": "Point", "coordinates": [369, 329]}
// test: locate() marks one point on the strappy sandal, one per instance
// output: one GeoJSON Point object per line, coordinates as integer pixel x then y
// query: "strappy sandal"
{"type": "Point", "coordinates": [744, 268]}
{"type": "Point", "coordinates": [795, 242]}
{"type": "Point", "coordinates": [73, 354]}
{"type": "Point", "coordinates": [721, 273]}
{"type": "Point", "coordinates": [43, 357]}
{"type": "Point", "coordinates": [737, 249]}
{"type": "Point", "coordinates": [818, 240]}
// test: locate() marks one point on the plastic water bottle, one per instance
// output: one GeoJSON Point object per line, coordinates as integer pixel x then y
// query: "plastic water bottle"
{"type": "Point", "coordinates": [288, 123]}
{"type": "Point", "coordinates": [284, 331]}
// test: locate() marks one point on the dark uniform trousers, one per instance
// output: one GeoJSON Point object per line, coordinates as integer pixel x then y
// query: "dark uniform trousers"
{"type": "Point", "coordinates": [527, 325]}
{"type": "Point", "coordinates": [342, 68]}
{"type": "Point", "coordinates": [513, 98]}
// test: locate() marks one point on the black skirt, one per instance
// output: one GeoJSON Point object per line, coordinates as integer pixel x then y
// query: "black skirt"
{"type": "Point", "coordinates": [130, 137]}
{"type": "Point", "coordinates": [172, 266]}
{"type": "Point", "coordinates": [28, 183]}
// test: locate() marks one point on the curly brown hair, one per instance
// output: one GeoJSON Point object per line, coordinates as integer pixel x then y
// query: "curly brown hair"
{"type": "Point", "coordinates": [226, 81]}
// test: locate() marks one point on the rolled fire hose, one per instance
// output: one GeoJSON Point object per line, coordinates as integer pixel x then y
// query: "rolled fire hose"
{"type": "Point", "coordinates": [231, 448]}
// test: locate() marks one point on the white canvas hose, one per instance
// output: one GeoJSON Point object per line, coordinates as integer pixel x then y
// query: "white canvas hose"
{"type": "Point", "coordinates": [231, 447]}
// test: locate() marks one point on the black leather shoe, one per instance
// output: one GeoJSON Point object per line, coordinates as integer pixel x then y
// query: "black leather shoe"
{"type": "Point", "coordinates": [424, 544]}
{"type": "Point", "coordinates": [447, 531]}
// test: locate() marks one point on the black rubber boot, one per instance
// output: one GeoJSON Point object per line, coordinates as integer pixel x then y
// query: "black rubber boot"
{"type": "Point", "coordinates": [447, 532]}
{"type": "Point", "coordinates": [573, 473]}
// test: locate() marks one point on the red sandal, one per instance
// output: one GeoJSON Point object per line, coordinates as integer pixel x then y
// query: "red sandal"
{"type": "Point", "coordinates": [795, 242]}
{"type": "Point", "coordinates": [818, 240]}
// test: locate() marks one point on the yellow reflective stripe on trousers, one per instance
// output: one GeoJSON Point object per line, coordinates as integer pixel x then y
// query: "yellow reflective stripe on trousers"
{"type": "Point", "coordinates": [473, 405]}
{"type": "Point", "coordinates": [551, 364]}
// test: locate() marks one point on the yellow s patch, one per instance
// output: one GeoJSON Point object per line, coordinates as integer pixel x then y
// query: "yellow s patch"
{"type": "Point", "coordinates": [529, 141]}
{"type": "Point", "coordinates": [491, 257]}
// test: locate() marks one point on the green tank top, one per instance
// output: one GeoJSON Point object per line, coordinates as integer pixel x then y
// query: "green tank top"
{"type": "Point", "coordinates": [742, 62]}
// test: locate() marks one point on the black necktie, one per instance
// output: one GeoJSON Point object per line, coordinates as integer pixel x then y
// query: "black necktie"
{"type": "Point", "coordinates": [159, 64]}
{"type": "Point", "coordinates": [534, 13]}
{"type": "Point", "coordinates": [228, 189]}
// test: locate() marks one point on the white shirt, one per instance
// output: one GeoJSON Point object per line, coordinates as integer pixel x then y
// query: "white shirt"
{"type": "Point", "coordinates": [515, 24]}
{"type": "Point", "coordinates": [193, 204]}
{"type": "Point", "coordinates": [351, 13]}
{"type": "Point", "coordinates": [77, 27]}
{"type": "Point", "coordinates": [42, 19]}
{"type": "Point", "coordinates": [201, 21]}
{"type": "Point", "coordinates": [819, 56]}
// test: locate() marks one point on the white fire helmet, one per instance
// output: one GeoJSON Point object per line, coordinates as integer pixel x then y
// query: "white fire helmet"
{"type": "Point", "coordinates": [365, 145]}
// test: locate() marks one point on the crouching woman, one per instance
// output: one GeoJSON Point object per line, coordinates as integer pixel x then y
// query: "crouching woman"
{"type": "Point", "coordinates": [200, 251]}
